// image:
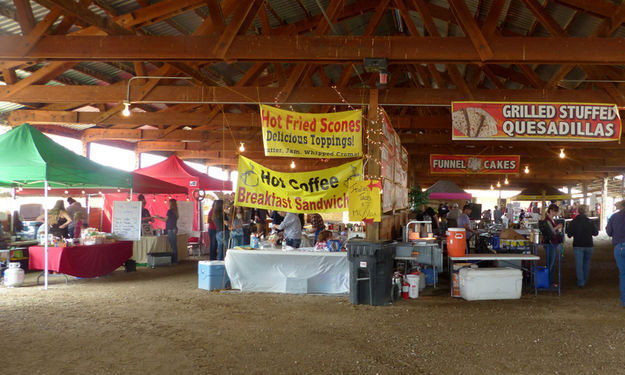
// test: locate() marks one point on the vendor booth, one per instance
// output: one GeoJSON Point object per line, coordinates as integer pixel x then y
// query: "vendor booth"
{"type": "Point", "coordinates": [29, 159]}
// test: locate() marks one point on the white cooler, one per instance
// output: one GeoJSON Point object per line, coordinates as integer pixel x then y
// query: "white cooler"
{"type": "Point", "coordinates": [490, 283]}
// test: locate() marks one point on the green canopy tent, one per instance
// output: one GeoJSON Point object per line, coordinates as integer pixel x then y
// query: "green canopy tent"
{"type": "Point", "coordinates": [29, 159]}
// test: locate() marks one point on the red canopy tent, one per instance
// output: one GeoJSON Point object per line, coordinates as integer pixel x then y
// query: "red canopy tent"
{"type": "Point", "coordinates": [174, 170]}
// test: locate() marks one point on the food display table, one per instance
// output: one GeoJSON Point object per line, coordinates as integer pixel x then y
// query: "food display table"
{"type": "Point", "coordinates": [295, 271]}
{"type": "Point", "coordinates": [82, 261]}
{"type": "Point", "coordinates": [158, 244]}
{"type": "Point", "coordinates": [503, 258]}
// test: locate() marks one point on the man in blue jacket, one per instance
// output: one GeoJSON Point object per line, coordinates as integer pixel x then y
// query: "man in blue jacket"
{"type": "Point", "coordinates": [582, 230]}
{"type": "Point", "coordinates": [616, 230]}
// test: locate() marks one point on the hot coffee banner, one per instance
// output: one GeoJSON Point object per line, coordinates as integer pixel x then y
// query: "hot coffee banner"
{"type": "Point", "coordinates": [574, 122]}
{"type": "Point", "coordinates": [308, 135]}
{"type": "Point", "coordinates": [474, 164]}
{"type": "Point", "coordinates": [324, 190]}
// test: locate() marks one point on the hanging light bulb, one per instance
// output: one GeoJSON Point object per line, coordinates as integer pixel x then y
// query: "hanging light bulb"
{"type": "Point", "coordinates": [527, 169]}
{"type": "Point", "coordinates": [491, 187]}
{"type": "Point", "coordinates": [154, 199]}
{"type": "Point", "coordinates": [126, 111]}
{"type": "Point", "coordinates": [498, 184]}
{"type": "Point", "coordinates": [118, 190]}
{"type": "Point", "coordinates": [49, 188]}
{"type": "Point", "coordinates": [506, 182]}
{"type": "Point", "coordinates": [292, 164]}
{"type": "Point", "coordinates": [83, 192]}
{"type": "Point", "coordinates": [100, 192]}
{"type": "Point", "coordinates": [562, 154]}
{"type": "Point", "coordinates": [66, 192]}
{"type": "Point", "coordinates": [242, 147]}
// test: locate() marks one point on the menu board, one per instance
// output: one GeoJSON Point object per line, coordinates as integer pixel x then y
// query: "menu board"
{"type": "Point", "coordinates": [126, 223]}
{"type": "Point", "coordinates": [185, 216]}
{"type": "Point", "coordinates": [364, 201]}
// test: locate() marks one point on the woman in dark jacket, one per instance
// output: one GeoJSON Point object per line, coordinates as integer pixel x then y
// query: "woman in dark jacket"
{"type": "Point", "coordinates": [582, 230]}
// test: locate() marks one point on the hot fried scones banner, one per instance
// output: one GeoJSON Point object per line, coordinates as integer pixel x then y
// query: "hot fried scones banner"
{"type": "Point", "coordinates": [324, 190]}
{"type": "Point", "coordinates": [535, 122]}
{"type": "Point", "coordinates": [308, 135]}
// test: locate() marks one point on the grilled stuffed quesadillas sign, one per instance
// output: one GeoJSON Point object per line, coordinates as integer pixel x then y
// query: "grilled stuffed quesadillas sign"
{"type": "Point", "coordinates": [574, 122]}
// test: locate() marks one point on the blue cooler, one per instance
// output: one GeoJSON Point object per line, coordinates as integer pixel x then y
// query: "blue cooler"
{"type": "Point", "coordinates": [495, 242]}
{"type": "Point", "coordinates": [212, 275]}
{"type": "Point", "coordinates": [542, 277]}
{"type": "Point", "coordinates": [430, 276]}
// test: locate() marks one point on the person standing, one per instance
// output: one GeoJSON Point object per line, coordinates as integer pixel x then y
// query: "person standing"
{"type": "Point", "coordinates": [453, 215]}
{"type": "Point", "coordinates": [260, 219]}
{"type": "Point", "coordinates": [236, 226]}
{"type": "Point", "coordinates": [292, 229]}
{"type": "Point", "coordinates": [582, 230]}
{"type": "Point", "coordinates": [146, 217]}
{"type": "Point", "coordinates": [171, 227]}
{"type": "Point", "coordinates": [221, 229]}
{"type": "Point", "coordinates": [616, 230]}
{"type": "Point", "coordinates": [73, 208]}
{"type": "Point", "coordinates": [498, 213]}
{"type": "Point", "coordinates": [58, 220]}
{"type": "Point", "coordinates": [465, 222]}
{"type": "Point", "coordinates": [551, 243]}
{"type": "Point", "coordinates": [317, 225]}
{"type": "Point", "coordinates": [212, 230]}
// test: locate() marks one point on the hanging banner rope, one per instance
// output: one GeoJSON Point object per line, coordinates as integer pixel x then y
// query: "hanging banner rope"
{"type": "Point", "coordinates": [324, 190]}
{"type": "Point", "coordinates": [311, 135]}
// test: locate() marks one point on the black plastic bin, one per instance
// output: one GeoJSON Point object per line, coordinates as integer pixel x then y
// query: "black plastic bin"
{"type": "Point", "coordinates": [370, 271]}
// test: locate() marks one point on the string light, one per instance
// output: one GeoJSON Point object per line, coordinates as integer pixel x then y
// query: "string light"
{"type": "Point", "coordinates": [562, 154]}
{"type": "Point", "coordinates": [292, 164]}
{"type": "Point", "coordinates": [126, 111]}
{"type": "Point", "coordinates": [119, 190]}
{"type": "Point", "coordinates": [66, 192]}
{"type": "Point", "coordinates": [100, 192]}
{"type": "Point", "coordinates": [49, 188]}
{"type": "Point", "coordinates": [492, 187]}
{"type": "Point", "coordinates": [82, 192]}
{"type": "Point", "coordinates": [506, 182]}
{"type": "Point", "coordinates": [527, 169]}
{"type": "Point", "coordinates": [498, 184]}
{"type": "Point", "coordinates": [242, 147]}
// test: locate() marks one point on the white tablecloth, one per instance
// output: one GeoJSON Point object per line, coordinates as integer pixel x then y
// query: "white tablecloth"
{"type": "Point", "coordinates": [158, 244]}
{"type": "Point", "coordinates": [295, 271]}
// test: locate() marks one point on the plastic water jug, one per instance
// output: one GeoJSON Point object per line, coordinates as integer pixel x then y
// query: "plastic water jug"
{"type": "Point", "coordinates": [254, 242]}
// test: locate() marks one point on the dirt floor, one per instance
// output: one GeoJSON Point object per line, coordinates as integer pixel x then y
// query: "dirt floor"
{"type": "Point", "coordinates": [156, 321]}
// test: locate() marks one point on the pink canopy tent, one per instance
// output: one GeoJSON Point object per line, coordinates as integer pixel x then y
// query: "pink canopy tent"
{"type": "Point", "coordinates": [447, 190]}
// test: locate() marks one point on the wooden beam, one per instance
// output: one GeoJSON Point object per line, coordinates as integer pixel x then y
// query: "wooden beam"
{"type": "Point", "coordinates": [44, 75]}
{"type": "Point", "coordinates": [239, 16]}
{"type": "Point", "coordinates": [490, 25]}
{"type": "Point", "coordinates": [470, 28]}
{"type": "Point", "coordinates": [313, 96]}
{"type": "Point", "coordinates": [24, 14]}
{"type": "Point", "coordinates": [319, 49]}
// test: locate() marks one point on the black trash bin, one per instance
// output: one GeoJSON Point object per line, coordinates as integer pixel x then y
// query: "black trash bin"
{"type": "Point", "coordinates": [370, 271]}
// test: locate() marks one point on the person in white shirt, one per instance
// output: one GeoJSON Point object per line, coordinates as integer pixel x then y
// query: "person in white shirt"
{"type": "Point", "coordinates": [292, 229]}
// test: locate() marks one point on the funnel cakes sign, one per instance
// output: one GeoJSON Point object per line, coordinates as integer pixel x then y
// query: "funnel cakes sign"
{"type": "Point", "coordinates": [572, 122]}
{"type": "Point", "coordinates": [474, 164]}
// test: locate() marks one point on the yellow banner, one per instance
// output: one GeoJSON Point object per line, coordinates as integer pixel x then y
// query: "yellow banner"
{"type": "Point", "coordinates": [364, 201]}
{"type": "Point", "coordinates": [324, 190]}
{"type": "Point", "coordinates": [311, 135]}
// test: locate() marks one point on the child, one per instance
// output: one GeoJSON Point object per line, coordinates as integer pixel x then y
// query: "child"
{"type": "Point", "coordinates": [322, 240]}
{"type": "Point", "coordinates": [78, 218]}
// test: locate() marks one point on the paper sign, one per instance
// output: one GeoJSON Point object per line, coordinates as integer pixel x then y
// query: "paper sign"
{"type": "Point", "coordinates": [364, 201]}
{"type": "Point", "coordinates": [311, 135]}
{"type": "Point", "coordinates": [570, 122]}
{"type": "Point", "coordinates": [126, 224]}
{"type": "Point", "coordinates": [185, 216]}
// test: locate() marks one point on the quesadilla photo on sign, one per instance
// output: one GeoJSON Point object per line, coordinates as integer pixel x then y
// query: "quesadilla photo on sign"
{"type": "Point", "coordinates": [474, 123]}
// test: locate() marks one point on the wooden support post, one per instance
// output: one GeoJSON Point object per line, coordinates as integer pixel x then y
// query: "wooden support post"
{"type": "Point", "coordinates": [137, 158]}
{"type": "Point", "coordinates": [373, 169]}
{"type": "Point", "coordinates": [585, 193]}
{"type": "Point", "coordinates": [622, 188]}
{"type": "Point", "coordinates": [568, 189]}
{"type": "Point", "coordinates": [86, 150]}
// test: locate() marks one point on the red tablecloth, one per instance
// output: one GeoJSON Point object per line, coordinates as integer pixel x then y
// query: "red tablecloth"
{"type": "Point", "coordinates": [82, 261]}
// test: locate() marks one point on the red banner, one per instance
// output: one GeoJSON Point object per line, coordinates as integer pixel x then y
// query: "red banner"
{"type": "Point", "coordinates": [474, 164]}
{"type": "Point", "coordinates": [573, 122]}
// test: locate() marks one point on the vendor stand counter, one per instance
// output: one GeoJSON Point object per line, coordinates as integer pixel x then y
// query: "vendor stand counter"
{"type": "Point", "coordinates": [82, 261]}
{"type": "Point", "coordinates": [503, 259]}
{"type": "Point", "coordinates": [158, 244]}
{"type": "Point", "coordinates": [295, 271]}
